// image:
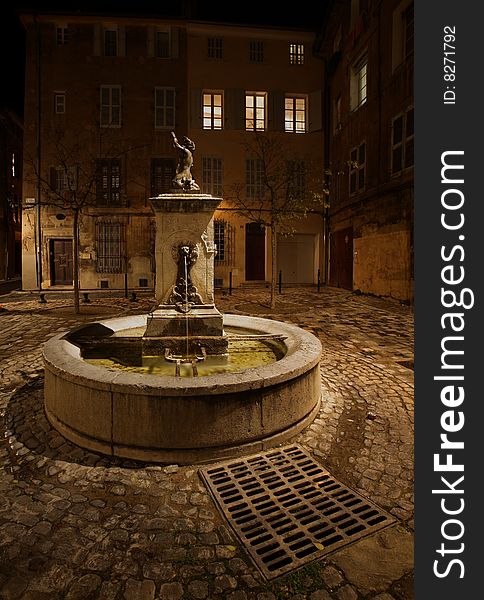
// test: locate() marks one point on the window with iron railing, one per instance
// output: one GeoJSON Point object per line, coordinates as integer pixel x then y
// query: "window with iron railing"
{"type": "Point", "coordinates": [224, 236]}
{"type": "Point", "coordinates": [111, 247]}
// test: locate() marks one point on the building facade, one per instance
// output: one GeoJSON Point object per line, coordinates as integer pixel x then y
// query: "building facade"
{"type": "Point", "coordinates": [11, 134]}
{"type": "Point", "coordinates": [103, 95]}
{"type": "Point", "coordinates": [368, 50]}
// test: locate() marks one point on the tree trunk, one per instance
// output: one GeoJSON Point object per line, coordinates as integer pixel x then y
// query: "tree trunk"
{"type": "Point", "coordinates": [75, 263]}
{"type": "Point", "coordinates": [274, 264]}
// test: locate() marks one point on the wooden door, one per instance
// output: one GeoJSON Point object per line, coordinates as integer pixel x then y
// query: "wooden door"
{"type": "Point", "coordinates": [341, 263]}
{"type": "Point", "coordinates": [255, 252]}
{"type": "Point", "coordinates": [61, 258]}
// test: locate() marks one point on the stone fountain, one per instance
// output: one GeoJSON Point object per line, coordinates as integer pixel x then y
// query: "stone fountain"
{"type": "Point", "coordinates": [169, 418]}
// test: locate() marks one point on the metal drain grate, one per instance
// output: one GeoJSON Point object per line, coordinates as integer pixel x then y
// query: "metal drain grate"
{"type": "Point", "coordinates": [288, 510]}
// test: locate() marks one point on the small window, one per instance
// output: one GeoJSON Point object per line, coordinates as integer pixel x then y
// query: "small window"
{"type": "Point", "coordinates": [59, 103]}
{"type": "Point", "coordinates": [108, 182]}
{"type": "Point", "coordinates": [295, 114]}
{"type": "Point", "coordinates": [358, 83]}
{"type": "Point", "coordinates": [110, 106]}
{"type": "Point", "coordinates": [110, 42]}
{"type": "Point", "coordinates": [256, 52]}
{"type": "Point", "coordinates": [162, 45]}
{"type": "Point", "coordinates": [254, 172]}
{"type": "Point", "coordinates": [255, 111]}
{"type": "Point", "coordinates": [143, 282]}
{"type": "Point", "coordinates": [296, 54]}
{"type": "Point", "coordinates": [212, 176]}
{"type": "Point", "coordinates": [215, 48]}
{"type": "Point", "coordinates": [61, 35]}
{"type": "Point", "coordinates": [212, 110]}
{"type": "Point", "coordinates": [164, 107]}
{"type": "Point", "coordinates": [402, 142]}
{"type": "Point", "coordinates": [358, 169]}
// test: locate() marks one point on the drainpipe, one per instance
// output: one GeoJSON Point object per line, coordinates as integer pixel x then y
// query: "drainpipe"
{"type": "Point", "coordinates": [38, 157]}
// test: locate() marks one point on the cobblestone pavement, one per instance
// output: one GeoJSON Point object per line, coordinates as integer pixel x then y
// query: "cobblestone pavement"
{"type": "Point", "coordinates": [77, 525]}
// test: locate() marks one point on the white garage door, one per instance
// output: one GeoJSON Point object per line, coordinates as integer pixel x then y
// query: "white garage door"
{"type": "Point", "coordinates": [295, 258]}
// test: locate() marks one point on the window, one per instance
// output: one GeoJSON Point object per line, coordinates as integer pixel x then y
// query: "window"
{"type": "Point", "coordinates": [254, 178]}
{"type": "Point", "coordinates": [59, 103]}
{"type": "Point", "coordinates": [219, 239]}
{"type": "Point", "coordinates": [212, 176]}
{"type": "Point", "coordinates": [62, 35]}
{"type": "Point", "coordinates": [295, 114]}
{"type": "Point", "coordinates": [164, 107]}
{"type": "Point", "coordinates": [296, 170]}
{"type": "Point", "coordinates": [407, 16]}
{"type": "Point", "coordinates": [108, 182]}
{"type": "Point", "coordinates": [337, 126]}
{"type": "Point", "coordinates": [402, 142]}
{"type": "Point", "coordinates": [255, 111]}
{"type": "Point", "coordinates": [215, 48]}
{"type": "Point", "coordinates": [110, 106]}
{"type": "Point", "coordinates": [64, 178]}
{"type": "Point", "coordinates": [162, 44]}
{"type": "Point", "coordinates": [162, 174]}
{"type": "Point", "coordinates": [256, 52]}
{"type": "Point", "coordinates": [110, 238]}
{"type": "Point", "coordinates": [110, 42]}
{"type": "Point", "coordinates": [357, 168]}
{"type": "Point", "coordinates": [296, 54]}
{"type": "Point", "coordinates": [358, 83]}
{"type": "Point", "coordinates": [212, 110]}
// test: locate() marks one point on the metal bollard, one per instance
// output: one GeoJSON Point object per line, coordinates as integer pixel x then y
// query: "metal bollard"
{"type": "Point", "coordinates": [133, 297]}
{"type": "Point", "coordinates": [319, 280]}
{"type": "Point", "coordinates": [42, 299]}
{"type": "Point", "coordinates": [86, 300]}
{"type": "Point", "coordinates": [230, 283]}
{"type": "Point", "coordinates": [280, 282]}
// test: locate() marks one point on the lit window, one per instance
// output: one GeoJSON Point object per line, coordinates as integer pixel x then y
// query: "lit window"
{"type": "Point", "coordinates": [358, 83]}
{"type": "Point", "coordinates": [162, 47]}
{"type": "Point", "coordinates": [402, 142]}
{"type": "Point", "coordinates": [296, 54]}
{"type": "Point", "coordinates": [295, 114]}
{"type": "Point", "coordinates": [59, 103]}
{"type": "Point", "coordinates": [110, 238]}
{"type": "Point", "coordinates": [13, 165]}
{"type": "Point", "coordinates": [110, 106]}
{"type": "Point", "coordinates": [215, 48]}
{"type": "Point", "coordinates": [212, 110]}
{"type": "Point", "coordinates": [255, 111]}
{"type": "Point", "coordinates": [254, 180]}
{"type": "Point", "coordinates": [357, 168]}
{"type": "Point", "coordinates": [256, 52]}
{"type": "Point", "coordinates": [212, 176]}
{"type": "Point", "coordinates": [164, 107]}
{"type": "Point", "coordinates": [108, 182]}
{"type": "Point", "coordinates": [61, 35]}
{"type": "Point", "coordinates": [110, 42]}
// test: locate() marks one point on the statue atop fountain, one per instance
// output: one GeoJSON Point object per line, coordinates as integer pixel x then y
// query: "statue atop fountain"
{"type": "Point", "coordinates": [184, 258]}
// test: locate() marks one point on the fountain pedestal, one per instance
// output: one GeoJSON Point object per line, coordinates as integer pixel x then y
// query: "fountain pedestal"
{"type": "Point", "coordinates": [186, 319]}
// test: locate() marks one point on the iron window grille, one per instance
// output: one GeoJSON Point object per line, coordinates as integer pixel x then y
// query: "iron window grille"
{"type": "Point", "coordinates": [295, 114]}
{"type": "Point", "coordinates": [164, 107]}
{"type": "Point", "coordinates": [111, 247]}
{"type": "Point", "coordinates": [108, 182]}
{"type": "Point", "coordinates": [255, 111]}
{"type": "Point", "coordinates": [215, 47]}
{"type": "Point", "coordinates": [254, 180]}
{"type": "Point", "coordinates": [224, 237]}
{"type": "Point", "coordinates": [358, 169]}
{"type": "Point", "coordinates": [402, 142]}
{"type": "Point", "coordinates": [296, 54]}
{"type": "Point", "coordinates": [212, 176]}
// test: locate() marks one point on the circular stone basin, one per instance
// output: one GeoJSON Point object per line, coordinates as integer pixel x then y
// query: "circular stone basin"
{"type": "Point", "coordinates": [183, 419]}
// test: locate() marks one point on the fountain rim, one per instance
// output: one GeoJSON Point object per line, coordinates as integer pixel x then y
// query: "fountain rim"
{"type": "Point", "coordinates": [303, 352]}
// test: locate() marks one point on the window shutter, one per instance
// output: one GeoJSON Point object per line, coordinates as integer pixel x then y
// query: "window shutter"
{"type": "Point", "coordinates": [276, 111]}
{"type": "Point", "coordinates": [196, 108]}
{"type": "Point", "coordinates": [97, 40]}
{"type": "Point", "coordinates": [150, 39]}
{"type": "Point", "coordinates": [314, 111]}
{"type": "Point", "coordinates": [235, 109]}
{"type": "Point", "coordinates": [174, 42]}
{"type": "Point", "coordinates": [121, 40]}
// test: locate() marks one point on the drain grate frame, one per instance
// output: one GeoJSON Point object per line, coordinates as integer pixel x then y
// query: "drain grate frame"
{"type": "Point", "coordinates": [287, 510]}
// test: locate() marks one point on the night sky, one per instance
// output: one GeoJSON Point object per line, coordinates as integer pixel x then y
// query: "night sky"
{"type": "Point", "coordinates": [12, 39]}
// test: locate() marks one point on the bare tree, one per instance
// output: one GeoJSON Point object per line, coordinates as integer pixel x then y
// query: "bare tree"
{"type": "Point", "coordinates": [280, 189]}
